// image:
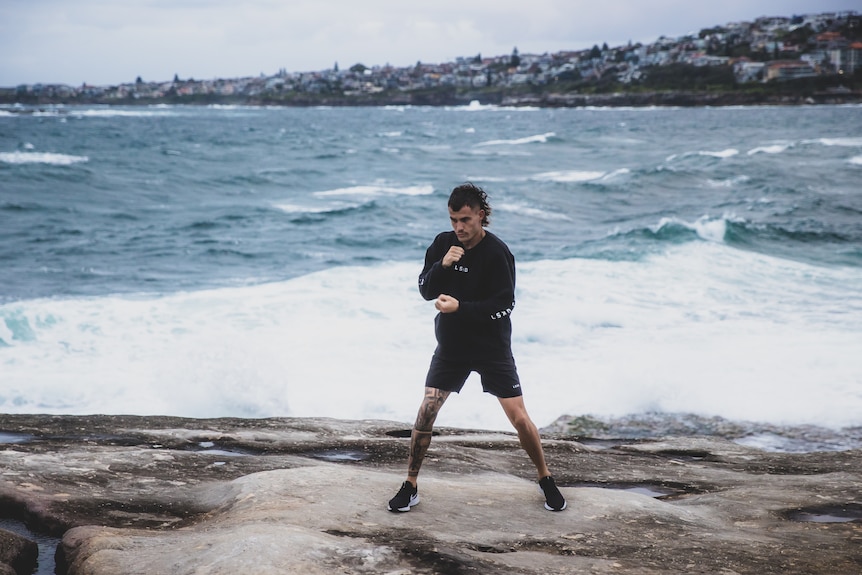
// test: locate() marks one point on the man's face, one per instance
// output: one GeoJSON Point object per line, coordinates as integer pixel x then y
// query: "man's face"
{"type": "Point", "coordinates": [467, 224]}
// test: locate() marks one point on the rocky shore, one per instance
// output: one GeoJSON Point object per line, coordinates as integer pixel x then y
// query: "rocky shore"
{"type": "Point", "coordinates": [172, 496]}
{"type": "Point", "coordinates": [543, 98]}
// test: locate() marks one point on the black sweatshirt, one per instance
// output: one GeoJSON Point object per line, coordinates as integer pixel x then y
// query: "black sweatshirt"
{"type": "Point", "coordinates": [483, 282]}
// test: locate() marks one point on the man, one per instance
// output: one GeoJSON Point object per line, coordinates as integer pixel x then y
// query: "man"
{"type": "Point", "coordinates": [470, 273]}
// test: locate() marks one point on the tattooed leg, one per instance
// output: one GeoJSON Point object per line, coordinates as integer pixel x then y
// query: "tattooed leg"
{"type": "Point", "coordinates": [420, 439]}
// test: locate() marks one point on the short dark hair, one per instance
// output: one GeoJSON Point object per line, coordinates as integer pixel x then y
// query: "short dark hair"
{"type": "Point", "coordinates": [470, 195]}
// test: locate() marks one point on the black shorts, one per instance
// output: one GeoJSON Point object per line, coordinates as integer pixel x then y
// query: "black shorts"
{"type": "Point", "coordinates": [499, 377]}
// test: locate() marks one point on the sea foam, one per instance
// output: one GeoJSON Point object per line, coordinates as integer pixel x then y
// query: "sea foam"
{"type": "Point", "coordinates": [702, 328]}
{"type": "Point", "coordinates": [568, 176]}
{"type": "Point", "coordinates": [378, 190]}
{"type": "Point", "coordinates": [41, 158]}
{"type": "Point", "coordinates": [539, 138]}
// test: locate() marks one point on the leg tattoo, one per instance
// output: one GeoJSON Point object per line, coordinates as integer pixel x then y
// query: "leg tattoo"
{"type": "Point", "coordinates": [420, 439]}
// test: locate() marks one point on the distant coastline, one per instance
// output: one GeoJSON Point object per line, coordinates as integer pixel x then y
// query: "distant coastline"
{"type": "Point", "coordinates": [543, 98]}
{"type": "Point", "coordinates": [797, 60]}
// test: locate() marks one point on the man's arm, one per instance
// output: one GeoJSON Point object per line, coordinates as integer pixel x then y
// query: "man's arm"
{"type": "Point", "coordinates": [439, 258]}
{"type": "Point", "coordinates": [501, 300]}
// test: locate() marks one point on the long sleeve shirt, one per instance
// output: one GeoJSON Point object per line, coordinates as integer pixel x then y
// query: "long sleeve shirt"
{"type": "Point", "coordinates": [483, 282]}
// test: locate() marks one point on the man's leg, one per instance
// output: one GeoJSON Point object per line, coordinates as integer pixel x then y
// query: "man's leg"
{"type": "Point", "coordinates": [420, 438]}
{"type": "Point", "coordinates": [528, 434]}
{"type": "Point", "coordinates": [532, 444]}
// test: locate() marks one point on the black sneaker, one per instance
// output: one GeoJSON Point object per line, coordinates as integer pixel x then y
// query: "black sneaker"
{"type": "Point", "coordinates": [407, 497]}
{"type": "Point", "coordinates": [554, 500]}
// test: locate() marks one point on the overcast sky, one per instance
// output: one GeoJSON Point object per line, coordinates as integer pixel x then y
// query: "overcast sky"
{"type": "Point", "coordinates": [104, 42]}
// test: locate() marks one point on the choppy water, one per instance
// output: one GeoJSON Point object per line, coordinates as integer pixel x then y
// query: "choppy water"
{"type": "Point", "coordinates": [261, 262]}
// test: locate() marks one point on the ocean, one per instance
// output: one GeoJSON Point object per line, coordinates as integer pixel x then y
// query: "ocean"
{"type": "Point", "coordinates": [674, 265]}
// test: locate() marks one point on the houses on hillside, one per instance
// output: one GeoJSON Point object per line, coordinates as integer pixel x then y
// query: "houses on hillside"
{"type": "Point", "coordinates": [770, 49]}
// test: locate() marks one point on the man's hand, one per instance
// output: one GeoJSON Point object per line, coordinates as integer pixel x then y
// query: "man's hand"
{"type": "Point", "coordinates": [453, 255]}
{"type": "Point", "coordinates": [446, 304]}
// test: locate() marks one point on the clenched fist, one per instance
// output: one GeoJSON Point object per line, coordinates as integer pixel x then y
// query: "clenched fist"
{"type": "Point", "coordinates": [453, 255]}
{"type": "Point", "coordinates": [446, 304]}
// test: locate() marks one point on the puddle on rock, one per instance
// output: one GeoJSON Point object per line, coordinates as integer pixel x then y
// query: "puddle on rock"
{"type": "Point", "coordinates": [339, 455]}
{"type": "Point", "coordinates": [47, 545]}
{"type": "Point", "coordinates": [656, 491]}
{"type": "Point", "coordinates": [15, 438]}
{"type": "Point", "coordinates": [833, 514]}
{"type": "Point", "coordinates": [210, 448]}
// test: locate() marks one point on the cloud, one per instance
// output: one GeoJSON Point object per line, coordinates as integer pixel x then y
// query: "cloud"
{"type": "Point", "coordinates": [105, 41]}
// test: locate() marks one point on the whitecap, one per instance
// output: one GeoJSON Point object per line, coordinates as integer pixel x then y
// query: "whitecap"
{"type": "Point", "coordinates": [706, 227]}
{"type": "Point", "coordinates": [539, 138]}
{"type": "Point", "coordinates": [41, 158]}
{"type": "Point", "coordinates": [492, 179]}
{"type": "Point", "coordinates": [477, 106]}
{"type": "Point", "coordinates": [120, 113]}
{"type": "Point", "coordinates": [721, 154]}
{"type": "Point", "coordinates": [847, 142]}
{"type": "Point", "coordinates": [531, 211]}
{"type": "Point", "coordinates": [713, 230]}
{"type": "Point", "coordinates": [567, 176]}
{"type": "Point", "coordinates": [857, 160]}
{"type": "Point", "coordinates": [301, 209]}
{"type": "Point", "coordinates": [728, 153]}
{"type": "Point", "coordinates": [729, 182]}
{"type": "Point", "coordinates": [615, 174]}
{"type": "Point", "coordinates": [771, 149]}
{"type": "Point", "coordinates": [377, 190]}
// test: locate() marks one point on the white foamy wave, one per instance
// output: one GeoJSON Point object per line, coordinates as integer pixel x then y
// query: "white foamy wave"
{"type": "Point", "coordinates": [703, 328]}
{"type": "Point", "coordinates": [771, 149]}
{"type": "Point", "coordinates": [477, 106]}
{"type": "Point", "coordinates": [721, 154]}
{"type": "Point", "coordinates": [531, 211]}
{"type": "Point", "coordinates": [393, 134]}
{"type": "Point", "coordinates": [615, 174]}
{"type": "Point", "coordinates": [707, 228]}
{"type": "Point", "coordinates": [271, 349]}
{"type": "Point", "coordinates": [567, 176]}
{"type": "Point", "coordinates": [492, 179]}
{"type": "Point", "coordinates": [378, 190]}
{"type": "Point", "coordinates": [729, 182]}
{"type": "Point", "coordinates": [121, 113]}
{"type": "Point", "coordinates": [728, 153]}
{"type": "Point", "coordinates": [540, 138]}
{"type": "Point", "coordinates": [304, 209]}
{"type": "Point", "coordinates": [6, 114]}
{"type": "Point", "coordinates": [846, 142]}
{"type": "Point", "coordinates": [228, 107]}
{"type": "Point", "coordinates": [857, 160]}
{"type": "Point", "coordinates": [41, 158]}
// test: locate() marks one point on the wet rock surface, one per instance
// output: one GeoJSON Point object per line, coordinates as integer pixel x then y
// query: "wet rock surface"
{"type": "Point", "coordinates": [153, 495]}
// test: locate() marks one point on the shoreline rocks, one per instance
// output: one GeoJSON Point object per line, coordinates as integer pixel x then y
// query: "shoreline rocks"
{"type": "Point", "coordinates": [152, 495]}
{"type": "Point", "coordinates": [449, 96]}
